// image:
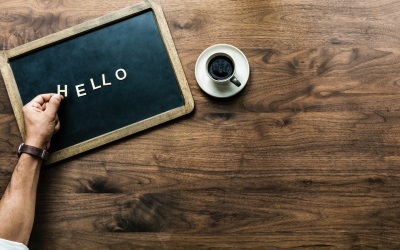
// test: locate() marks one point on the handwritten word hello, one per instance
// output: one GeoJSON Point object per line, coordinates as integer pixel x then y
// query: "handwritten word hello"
{"type": "Point", "coordinates": [120, 74]}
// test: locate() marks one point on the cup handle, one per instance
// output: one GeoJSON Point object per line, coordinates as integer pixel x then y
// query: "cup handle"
{"type": "Point", "coordinates": [235, 81]}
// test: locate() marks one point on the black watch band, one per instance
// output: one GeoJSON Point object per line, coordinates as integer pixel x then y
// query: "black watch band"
{"type": "Point", "coordinates": [34, 151]}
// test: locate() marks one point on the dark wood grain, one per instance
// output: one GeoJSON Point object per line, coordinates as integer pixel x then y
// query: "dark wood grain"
{"type": "Point", "coordinates": [307, 156]}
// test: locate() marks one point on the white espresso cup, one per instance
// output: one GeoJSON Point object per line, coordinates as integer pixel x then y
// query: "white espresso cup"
{"type": "Point", "coordinates": [220, 68]}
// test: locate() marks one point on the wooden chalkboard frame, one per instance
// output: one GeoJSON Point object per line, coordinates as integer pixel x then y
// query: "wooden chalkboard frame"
{"type": "Point", "coordinates": [17, 103]}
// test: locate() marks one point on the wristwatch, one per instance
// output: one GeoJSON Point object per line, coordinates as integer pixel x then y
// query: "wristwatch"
{"type": "Point", "coordinates": [37, 152]}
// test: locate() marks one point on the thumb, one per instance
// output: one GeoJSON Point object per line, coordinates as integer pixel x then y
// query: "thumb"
{"type": "Point", "coordinates": [53, 104]}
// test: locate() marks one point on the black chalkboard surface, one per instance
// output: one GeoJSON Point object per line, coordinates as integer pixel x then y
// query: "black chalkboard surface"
{"type": "Point", "coordinates": [117, 75]}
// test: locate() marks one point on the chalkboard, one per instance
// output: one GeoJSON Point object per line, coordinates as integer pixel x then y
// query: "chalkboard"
{"type": "Point", "coordinates": [120, 74]}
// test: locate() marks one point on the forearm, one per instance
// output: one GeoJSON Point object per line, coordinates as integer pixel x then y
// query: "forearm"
{"type": "Point", "coordinates": [17, 206]}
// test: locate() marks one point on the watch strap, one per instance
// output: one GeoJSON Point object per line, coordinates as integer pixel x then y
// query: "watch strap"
{"type": "Point", "coordinates": [34, 151]}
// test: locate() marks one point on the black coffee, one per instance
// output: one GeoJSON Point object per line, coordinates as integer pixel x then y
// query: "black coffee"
{"type": "Point", "coordinates": [220, 67]}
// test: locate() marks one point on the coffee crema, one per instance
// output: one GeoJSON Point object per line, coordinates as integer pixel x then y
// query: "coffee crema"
{"type": "Point", "coordinates": [220, 68]}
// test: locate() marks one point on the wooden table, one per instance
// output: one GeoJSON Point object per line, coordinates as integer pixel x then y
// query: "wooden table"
{"type": "Point", "coordinates": [306, 156]}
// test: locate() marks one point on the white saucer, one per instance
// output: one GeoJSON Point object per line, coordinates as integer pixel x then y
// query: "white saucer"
{"type": "Point", "coordinates": [222, 90]}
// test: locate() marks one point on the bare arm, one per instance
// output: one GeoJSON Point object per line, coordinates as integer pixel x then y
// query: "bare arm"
{"type": "Point", "coordinates": [17, 206]}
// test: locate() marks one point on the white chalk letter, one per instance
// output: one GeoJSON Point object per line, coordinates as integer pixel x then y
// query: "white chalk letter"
{"type": "Point", "coordinates": [94, 86]}
{"type": "Point", "coordinates": [65, 90]}
{"type": "Point", "coordinates": [117, 74]}
{"type": "Point", "coordinates": [104, 80]}
{"type": "Point", "coordinates": [79, 91]}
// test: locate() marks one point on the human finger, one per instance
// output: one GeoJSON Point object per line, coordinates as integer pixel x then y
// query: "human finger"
{"type": "Point", "coordinates": [57, 127]}
{"type": "Point", "coordinates": [35, 105]}
{"type": "Point", "coordinates": [41, 99]}
{"type": "Point", "coordinates": [53, 104]}
{"type": "Point", "coordinates": [57, 124]}
{"type": "Point", "coordinates": [56, 120]}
